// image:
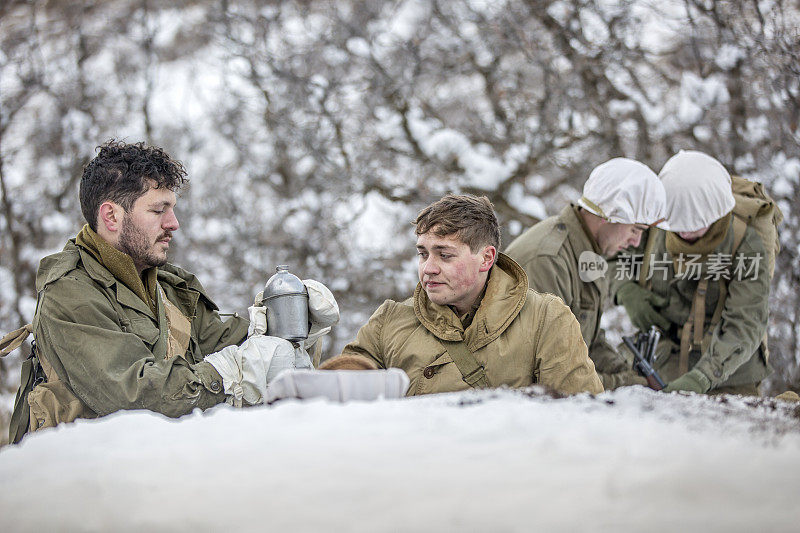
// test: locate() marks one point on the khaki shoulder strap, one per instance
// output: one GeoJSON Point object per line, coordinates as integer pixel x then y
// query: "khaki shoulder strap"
{"type": "Point", "coordinates": [692, 331]}
{"type": "Point", "coordinates": [180, 327]}
{"type": "Point", "coordinates": [739, 229]}
{"type": "Point", "coordinates": [12, 341]}
{"type": "Point", "coordinates": [644, 280]}
{"type": "Point", "coordinates": [473, 374]}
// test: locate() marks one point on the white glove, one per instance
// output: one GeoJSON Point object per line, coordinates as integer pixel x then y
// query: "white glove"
{"type": "Point", "coordinates": [339, 385]}
{"type": "Point", "coordinates": [247, 368]}
{"type": "Point", "coordinates": [258, 317]}
{"type": "Point", "coordinates": [323, 311]}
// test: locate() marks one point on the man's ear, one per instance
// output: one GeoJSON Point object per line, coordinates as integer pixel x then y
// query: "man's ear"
{"type": "Point", "coordinates": [109, 216]}
{"type": "Point", "coordinates": [489, 255]}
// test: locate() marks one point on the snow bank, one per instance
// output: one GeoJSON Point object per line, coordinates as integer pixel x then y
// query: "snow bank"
{"type": "Point", "coordinates": [629, 460]}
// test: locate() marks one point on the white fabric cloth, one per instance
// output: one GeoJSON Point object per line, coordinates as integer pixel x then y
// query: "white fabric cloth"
{"type": "Point", "coordinates": [624, 191]}
{"type": "Point", "coordinates": [698, 191]}
{"type": "Point", "coordinates": [339, 385]}
{"type": "Point", "coordinates": [246, 369]}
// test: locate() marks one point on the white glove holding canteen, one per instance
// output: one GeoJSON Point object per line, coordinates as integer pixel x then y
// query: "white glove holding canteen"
{"type": "Point", "coordinates": [246, 369]}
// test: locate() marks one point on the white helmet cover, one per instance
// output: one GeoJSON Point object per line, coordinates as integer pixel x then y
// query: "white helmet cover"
{"type": "Point", "coordinates": [698, 191]}
{"type": "Point", "coordinates": [624, 191]}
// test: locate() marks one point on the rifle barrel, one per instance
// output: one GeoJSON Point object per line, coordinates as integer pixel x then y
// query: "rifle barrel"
{"type": "Point", "coordinates": [656, 336]}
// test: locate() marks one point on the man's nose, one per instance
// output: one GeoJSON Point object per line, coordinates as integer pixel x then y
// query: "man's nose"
{"type": "Point", "coordinates": [170, 221]}
{"type": "Point", "coordinates": [635, 240]}
{"type": "Point", "coordinates": [430, 266]}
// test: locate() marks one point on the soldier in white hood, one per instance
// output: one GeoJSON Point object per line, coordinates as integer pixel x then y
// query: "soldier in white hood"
{"type": "Point", "coordinates": [707, 284]}
{"type": "Point", "coordinates": [621, 199]}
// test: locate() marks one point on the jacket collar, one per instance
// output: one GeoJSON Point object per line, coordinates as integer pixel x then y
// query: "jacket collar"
{"type": "Point", "coordinates": [103, 276]}
{"type": "Point", "coordinates": [181, 283]}
{"type": "Point", "coordinates": [120, 265]}
{"type": "Point", "coordinates": [506, 291]}
{"type": "Point", "coordinates": [579, 238]}
{"type": "Point", "coordinates": [577, 232]}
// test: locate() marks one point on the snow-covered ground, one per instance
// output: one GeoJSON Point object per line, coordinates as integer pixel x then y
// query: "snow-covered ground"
{"type": "Point", "coordinates": [629, 460]}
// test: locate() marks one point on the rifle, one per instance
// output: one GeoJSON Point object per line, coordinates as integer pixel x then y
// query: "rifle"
{"type": "Point", "coordinates": [643, 364]}
{"type": "Point", "coordinates": [646, 343]}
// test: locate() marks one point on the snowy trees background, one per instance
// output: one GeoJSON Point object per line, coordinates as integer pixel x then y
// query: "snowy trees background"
{"type": "Point", "coordinates": [313, 131]}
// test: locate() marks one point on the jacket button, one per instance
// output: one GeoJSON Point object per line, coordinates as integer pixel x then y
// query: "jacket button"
{"type": "Point", "coordinates": [428, 372]}
{"type": "Point", "coordinates": [718, 373]}
{"type": "Point", "coordinates": [215, 386]}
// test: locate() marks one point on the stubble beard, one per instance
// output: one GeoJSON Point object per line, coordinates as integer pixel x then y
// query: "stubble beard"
{"type": "Point", "coordinates": [135, 243]}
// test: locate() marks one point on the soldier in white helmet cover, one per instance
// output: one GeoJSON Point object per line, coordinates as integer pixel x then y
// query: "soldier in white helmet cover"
{"type": "Point", "coordinates": [705, 281]}
{"type": "Point", "coordinates": [564, 254]}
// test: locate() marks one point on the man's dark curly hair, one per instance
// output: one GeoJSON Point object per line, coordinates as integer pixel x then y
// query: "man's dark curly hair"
{"type": "Point", "coordinates": [122, 173]}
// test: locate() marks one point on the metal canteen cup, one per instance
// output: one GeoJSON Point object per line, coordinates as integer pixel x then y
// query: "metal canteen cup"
{"type": "Point", "coordinates": [286, 300]}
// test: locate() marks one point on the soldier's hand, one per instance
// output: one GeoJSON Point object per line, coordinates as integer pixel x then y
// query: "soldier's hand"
{"type": "Point", "coordinates": [246, 370]}
{"type": "Point", "coordinates": [788, 396]}
{"type": "Point", "coordinates": [641, 306]}
{"type": "Point", "coordinates": [692, 381]}
{"type": "Point", "coordinates": [323, 311]}
{"type": "Point", "coordinates": [621, 379]}
{"type": "Point", "coordinates": [258, 317]}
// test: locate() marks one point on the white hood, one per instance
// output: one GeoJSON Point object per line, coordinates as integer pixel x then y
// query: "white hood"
{"type": "Point", "coordinates": [624, 191]}
{"type": "Point", "coordinates": [698, 191]}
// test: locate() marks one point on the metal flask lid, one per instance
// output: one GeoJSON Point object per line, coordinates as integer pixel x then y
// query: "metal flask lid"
{"type": "Point", "coordinates": [286, 300]}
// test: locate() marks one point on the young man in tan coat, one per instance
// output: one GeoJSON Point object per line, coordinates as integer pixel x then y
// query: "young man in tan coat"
{"type": "Point", "coordinates": [473, 321]}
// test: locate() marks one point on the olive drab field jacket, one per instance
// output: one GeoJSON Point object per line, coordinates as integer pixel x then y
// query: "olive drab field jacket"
{"type": "Point", "coordinates": [550, 252]}
{"type": "Point", "coordinates": [731, 353]}
{"type": "Point", "coordinates": [103, 349]}
{"type": "Point", "coordinates": [517, 335]}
